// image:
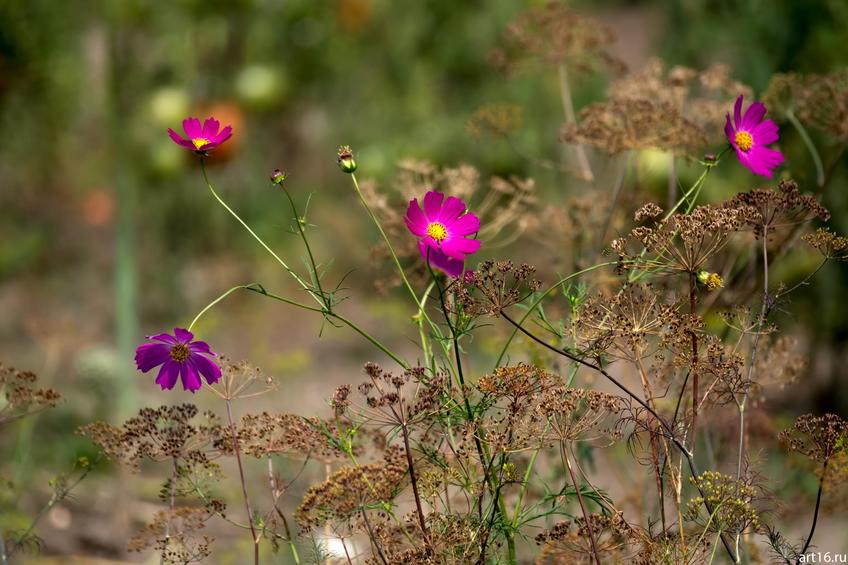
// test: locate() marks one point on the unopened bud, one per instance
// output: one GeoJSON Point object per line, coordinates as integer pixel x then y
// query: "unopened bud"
{"type": "Point", "coordinates": [710, 158]}
{"type": "Point", "coordinates": [278, 176]}
{"type": "Point", "coordinates": [345, 159]}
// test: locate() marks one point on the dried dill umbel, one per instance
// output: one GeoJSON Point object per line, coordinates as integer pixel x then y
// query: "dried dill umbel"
{"type": "Point", "coordinates": [554, 34]}
{"type": "Point", "coordinates": [818, 437]}
{"type": "Point", "coordinates": [631, 124]}
{"type": "Point", "coordinates": [818, 100]}
{"type": "Point", "coordinates": [683, 242]}
{"type": "Point", "coordinates": [828, 244]}
{"type": "Point", "coordinates": [353, 490]}
{"type": "Point", "coordinates": [174, 534]}
{"type": "Point", "coordinates": [568, 541]}
{"type": "Point", "coordinates": [22, 395]}
{"type": "Point", "coordinates": [702, 96]}
{"type": "Point", "coordinates": [495, 286]}
{"type": "Point", "coordinates": [159, 434]}
{"type": "Point", "coordinates": [783, 206]}
{"type": "Point", "coordinates": [497, 120]}
{"type": "Point", "coordinates": [264, 434]}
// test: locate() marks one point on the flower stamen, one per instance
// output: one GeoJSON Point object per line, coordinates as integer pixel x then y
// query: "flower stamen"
{"type": "Point", "coordinates": [437, 231]}
{"type": "Point", "coordinates": [180, 352]}
{"type": "Point", "coordinates": [744, 140]}
{"type": "Point", "coordinates": [200, 142]}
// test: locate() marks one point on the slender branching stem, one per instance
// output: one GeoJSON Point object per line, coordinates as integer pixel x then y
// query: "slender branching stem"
{"type": "Point", "coordinates": [414, 480]}
{"type": "Point", "coordinates": [571, 117]}
{"type": "Point", "coordinates": [811, 147]}
{"type": "Point", "coordinates": [171, 506]}
{"type": "Point", "coordinates": [237, 450]}
{"type": "Point", "coordinates": [275, 496]}
{"type": "Point", "coordinates": [815, 512]}
{"type": "Point", "coordinates": [586, 516]}
{"type": "Point", "coordinates": [668, 430]}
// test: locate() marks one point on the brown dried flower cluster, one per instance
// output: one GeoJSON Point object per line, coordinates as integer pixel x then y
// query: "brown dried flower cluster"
{"type": "Point", "coordinates": [818, 437]}
{"type": "Point", "coordinates": [554, 34]}
{"type": "Point", "coordinates": [625, 124]}
{"type": "Point", "coordinates": [22, 397]}
{"type": "Point", "coordinates": [263, 434]}
{"type": "Point", "coordinates": [497, 120]}
{"type": "Point", "coordinates": [495, 286]}
{"type": "Point", "coordinates": [158, 434]}
{"type": "Point", "coordinates": [174, 535]}
{"type": "Point", "coordinates": [819, 100]}
{"type": "Point", "coordinates": [703, 97]}
{"type": "Point", "coordinates": [569, 541]}
{"type": "Point", "coordinates": [830, 245]}
{"type": "Point", "coordinates": [684, 242]}
{"type": "Point", "coordinates": [353, 490]}
{"type": "Point", "coordinates": [781, 207]}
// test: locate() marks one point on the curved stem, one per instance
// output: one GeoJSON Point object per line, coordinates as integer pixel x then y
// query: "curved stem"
{"type": "Point", "coordinates": [583, 509]}
{"type": "Point", "coordinates": [261, 242]}
{"type": "Point", "coordinates": [237, 449]}
{"type": "Point", "coordinates": [811, 147]}
{"type": "Point", "coordinates": [308, 248]}
{"type": "Point", "coordinates": [398, 266]}
{"type": "Point", "coordinates": [815, 512]}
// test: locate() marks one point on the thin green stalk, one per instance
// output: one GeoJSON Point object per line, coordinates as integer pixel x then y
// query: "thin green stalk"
{"type": "Point", "coordinates": [391, 249]}
{"type": "Point", "coordinates": [811, 147]}
{"type": "Point", "coordinates": [312, 263]}
{"type": "Point", "coordinates": [261, 242]}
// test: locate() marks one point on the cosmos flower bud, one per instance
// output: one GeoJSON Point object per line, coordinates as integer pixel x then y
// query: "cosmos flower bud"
{"type": "Point", "coordinates": [345, 159]}
{"type": "Point", "coordinates": [710, 158]}
{"type": "Point", "coordinates": [712, 281]}
{"type": "Point", "coordinates": [278, 177]}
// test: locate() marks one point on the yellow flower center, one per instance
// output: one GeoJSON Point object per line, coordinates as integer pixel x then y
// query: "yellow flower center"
{"type": "Point", "coordinates": [200, 142]}
{"type": "Point", "coordinates": [180, 352]}
{"type": "Point", "coordinates": [744, 140]}
{"type": "Point", "coordinates": [714, 282]}
{"type": "Point", "coordinates": [437, 231]}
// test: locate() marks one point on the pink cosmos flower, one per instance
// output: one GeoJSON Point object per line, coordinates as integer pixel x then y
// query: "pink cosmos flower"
{"type": "Point", "coordinates": [442, 228]}
{"type": "Point", "coordinates": [201, 139]}
{"type": "Point", "coordinates": [749, 134]}
{"type": "Point", "coordinates": [180, 356]}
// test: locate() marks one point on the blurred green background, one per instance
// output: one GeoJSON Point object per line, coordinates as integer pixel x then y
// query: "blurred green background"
{"type": "Point", "coordinates": [107, 232]}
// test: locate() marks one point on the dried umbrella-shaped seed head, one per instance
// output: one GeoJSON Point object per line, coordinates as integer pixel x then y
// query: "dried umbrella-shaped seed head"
{"type": "Point", "coordinates": [554, 34]}
{"type": "Point", "coordinates": [819, 100]}
{"type": "Point", "coordinates": [495, 286]}
{"type": "Point", "coordinates": [22, 397]}
{"type": "Point", "coordinates": [818, 437]}
{"type": "Point", "coordinates": [830, 245]}
{"type": "Point", "coordinates": [627, 124]}
{"type": "Point", "coordinates": [158, 434]}
{"type": "Point", "coordinates": [781, 207]}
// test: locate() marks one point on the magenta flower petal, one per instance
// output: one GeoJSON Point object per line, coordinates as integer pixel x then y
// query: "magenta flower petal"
{"type": "Point", "coordinates": [438, 260]}
{"type": "Point", "coordinates": [179, 356]}
{"type": "Point", "coordinates": [765, 133]}
{"type": "Point", "coordinates": [466, 225]}
{"type": "Point", "coordinates": [433, 204]}
{"type": "Point", "coordinates": [749, 134]}
{"type": "Point", "coordinates": [183, 335]}
{"type": "Point", "coordinates": [192, 128]}
{"type": "Point", "coordinates": [168, 374]}
{"type": "Point", "coordinates": [451, 209]}
{"type": "Point", "coordinates": [210, 128]}
{"type": "Point", "coordinates": [459, 247]}
{"type": "Point", "coordinates": [163, 337]}
{"type": "Point", "coordinates": [753, 115]}
{"type": "Point", "coordinates": [201, 139]}
{"type": "Point", "coordinates": [189, 377]}
{"type": "Point", "coordinates": [206, 367]}
{"type": "Point", "coordinates": [442, 229]}
{"type": "Point", "coordinates": [415, 220]}
{"type": "Point", "coordinates": [150, 355]}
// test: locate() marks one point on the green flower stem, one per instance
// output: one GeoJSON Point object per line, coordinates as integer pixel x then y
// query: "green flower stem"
{"type": "Point", "coordinates": [391, 249]}
{"type": "Point", "coordinates": [538, 300]}
{"type": "Point", "coordinates": [279, 260]}
{"type": "Point", "coordinates": [312, 263]}
{"type": "Point", "coordinates": [811, 147]}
